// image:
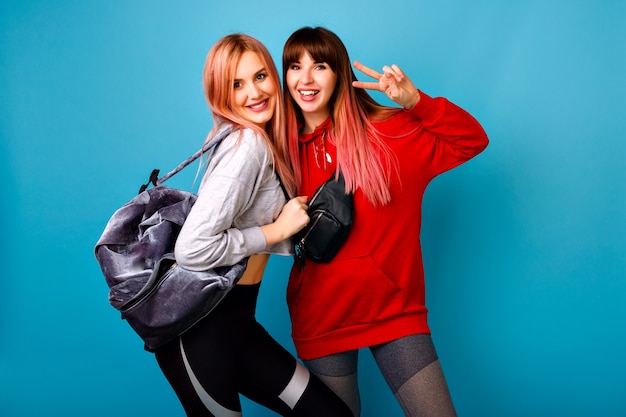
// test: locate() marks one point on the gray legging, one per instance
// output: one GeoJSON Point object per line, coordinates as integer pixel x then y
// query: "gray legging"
{"type": "Point", "coordinates": [410, 367]}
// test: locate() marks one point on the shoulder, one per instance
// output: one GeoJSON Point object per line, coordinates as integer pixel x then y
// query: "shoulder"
{"type": "Point", "coordinates": [246, 141]}
{"type": "Point", "coordinates": [242, 153]}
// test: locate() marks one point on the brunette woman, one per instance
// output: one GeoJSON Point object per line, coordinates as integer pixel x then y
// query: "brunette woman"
{"type": "Point", "coordinates": [372, 293]}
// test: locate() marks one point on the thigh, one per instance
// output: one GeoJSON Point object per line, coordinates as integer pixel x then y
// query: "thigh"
{"type": "Point", "coordinates": [426, 394]}
{"type": "Point", "coordinates": [265, 369]}
{"type": "Point", "coordinates": [412, 370]}
{"type": "Point", "coordinates": [198, 366]}
{"type": "Point", "coordinates": [271, 376]}
{"type": "Point", "coordinates": [336, 365]}
{"type": "Point", "coordinates": [402, 358]}
{"type": "Point", "coordinates": [339, 373]}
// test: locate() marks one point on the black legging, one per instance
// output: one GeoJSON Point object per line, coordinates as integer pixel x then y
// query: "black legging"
{"type": "Point", "coordinates": [229, 353]}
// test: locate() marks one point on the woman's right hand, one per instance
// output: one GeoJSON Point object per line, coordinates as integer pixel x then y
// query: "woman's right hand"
{"type": "Point", "coordinates": [290, 221]}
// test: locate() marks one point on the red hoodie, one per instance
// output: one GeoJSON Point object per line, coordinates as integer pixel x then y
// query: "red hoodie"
{"type": "Point", "coordinates": [373, 290]}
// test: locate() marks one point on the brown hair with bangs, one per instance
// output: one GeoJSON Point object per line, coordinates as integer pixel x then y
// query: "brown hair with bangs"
{"type": "Point", "coordinates": [363, 157]}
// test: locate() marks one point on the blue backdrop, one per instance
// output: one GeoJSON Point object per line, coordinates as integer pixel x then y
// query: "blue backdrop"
{"type": "Point", "coordinates": [524, 246]}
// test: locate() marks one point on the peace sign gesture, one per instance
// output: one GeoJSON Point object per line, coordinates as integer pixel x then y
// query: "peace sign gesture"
{"type": "Point", "coordinates": [397, 86]}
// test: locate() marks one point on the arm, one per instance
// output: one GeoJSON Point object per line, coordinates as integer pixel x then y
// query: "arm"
{"type": "Point", "coordinates": [293, 217]}
{"type": "Point", "coordinates": [456, 135]}
{"type": "Point", "coordinates": [209, 237]}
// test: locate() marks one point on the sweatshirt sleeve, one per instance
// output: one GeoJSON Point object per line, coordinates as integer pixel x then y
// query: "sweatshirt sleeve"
{"type": "Point", "coordinates": [208, 238]}
{"type": "Point", "coordinates": [455, 135]}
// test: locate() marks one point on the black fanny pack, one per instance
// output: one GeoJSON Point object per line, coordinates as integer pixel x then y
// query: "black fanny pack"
{"type": "Point", "coordinates": [331, 211]}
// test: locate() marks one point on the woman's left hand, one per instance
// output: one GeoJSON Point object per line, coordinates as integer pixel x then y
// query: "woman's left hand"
{"type": "Point", "coordinates": [393, 82]}
{"type": "Point", "coordinates": [292, 218]}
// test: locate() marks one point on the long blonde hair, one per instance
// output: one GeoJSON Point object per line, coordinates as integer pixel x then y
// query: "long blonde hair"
{"type": "Point", "coordinates": [219, 73]}
{"type": "Point", "coordinates": [365, 160]}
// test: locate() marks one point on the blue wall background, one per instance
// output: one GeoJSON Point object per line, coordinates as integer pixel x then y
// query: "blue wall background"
{"type": "Point", "coordinates": [524, 246]}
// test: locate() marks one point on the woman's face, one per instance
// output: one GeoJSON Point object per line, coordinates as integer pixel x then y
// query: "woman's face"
{"type": "Point", "coordinates": [311, 84]}
{"type": "Point", "coordinates": [254, 91]}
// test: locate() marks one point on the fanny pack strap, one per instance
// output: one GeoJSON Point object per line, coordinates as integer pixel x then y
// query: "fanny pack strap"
{"type": "Point", "coordinates": [209, 147]}
{"type": "Point", "coordinates": [282, 186]}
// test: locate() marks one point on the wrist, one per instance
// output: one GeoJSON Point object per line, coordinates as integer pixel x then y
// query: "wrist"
{"type": "Point", "coordinates": [273, 234]}
{"type": "Point", "coordinates": [415, 98]}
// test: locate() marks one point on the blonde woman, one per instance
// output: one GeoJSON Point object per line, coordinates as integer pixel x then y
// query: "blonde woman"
{"type": "Point", "coordinates": [241, 212]}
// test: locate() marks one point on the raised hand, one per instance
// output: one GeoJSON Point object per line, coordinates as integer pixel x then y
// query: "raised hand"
{"type": "Point", "coordinates": [393, 82]}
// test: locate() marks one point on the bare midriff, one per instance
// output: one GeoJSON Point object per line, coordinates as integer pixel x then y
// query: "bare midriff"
{"type": "Point", "coordinates": [255, 269]}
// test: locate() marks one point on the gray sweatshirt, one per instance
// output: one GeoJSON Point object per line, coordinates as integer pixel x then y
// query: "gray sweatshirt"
{"type": "Point", "coordinates": [238, 193]}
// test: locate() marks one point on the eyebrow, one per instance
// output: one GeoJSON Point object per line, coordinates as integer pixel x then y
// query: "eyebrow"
{"type": "Point", "coordinates": [313, 62]}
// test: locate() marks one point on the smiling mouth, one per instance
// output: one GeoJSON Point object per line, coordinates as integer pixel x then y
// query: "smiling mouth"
{"type": "Point", "coordinates": [258, 106]}
{"type": "Point", "coordinates": [308, 93]}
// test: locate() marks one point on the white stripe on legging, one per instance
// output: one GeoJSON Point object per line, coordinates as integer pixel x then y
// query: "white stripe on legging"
{"type": "Point", "coordinates": [213, 406]}
{"type": "Point", "coordinates": [296, 386]}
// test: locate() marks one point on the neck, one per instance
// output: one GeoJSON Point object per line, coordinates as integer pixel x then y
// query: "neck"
{"type": "Point", "coordinates": [312, 121]}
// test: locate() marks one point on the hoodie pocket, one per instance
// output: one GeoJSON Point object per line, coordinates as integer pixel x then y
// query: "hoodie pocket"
{"type": "Point", "coordinates": [352, 292]}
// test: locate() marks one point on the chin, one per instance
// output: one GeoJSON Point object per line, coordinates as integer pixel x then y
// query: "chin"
{"type": "Point", "coordinates": [260, 121]}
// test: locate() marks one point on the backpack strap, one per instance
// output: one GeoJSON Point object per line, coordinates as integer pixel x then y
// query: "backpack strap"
{"type": "Point", "coordinates": [208, 147]}
{"type": "Point", "coordinates": [282, 186]}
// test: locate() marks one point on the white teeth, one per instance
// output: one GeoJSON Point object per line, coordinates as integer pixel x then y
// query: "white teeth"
{"type": "Point", "coordinates": [308, 92]}
{"type": "Point", "coordinates": [256, 106]}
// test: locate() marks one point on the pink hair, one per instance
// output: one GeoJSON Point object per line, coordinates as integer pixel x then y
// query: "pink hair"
{"type": "Point", "coordinates": [219, 73]}
{"type": "Point", "coordinates": [365, 160]}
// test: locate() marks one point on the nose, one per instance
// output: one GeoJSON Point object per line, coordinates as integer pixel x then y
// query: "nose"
{"type": "Point", "coordinates": [253, 91]}
{"type": "Point", "coordinates": [306, 77]}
